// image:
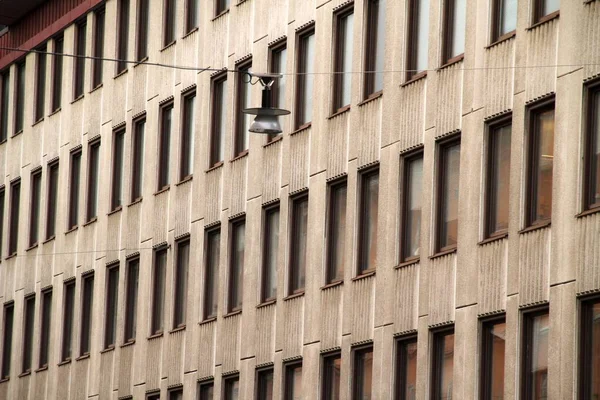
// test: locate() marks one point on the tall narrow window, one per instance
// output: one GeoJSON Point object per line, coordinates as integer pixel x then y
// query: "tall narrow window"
{"type": "Point", "coordinates": [176, 394]}
{"type": "Point", "coordinates": [187, 136]}
{"type": "Point", "coordinates": [57, 71]}
{"type": "Point", "coordinates": [67, 328]}
{"type": "Point", "coordinates": [541, 160]}
{"type": "Point", "coordinates": [169, 22]}
{"type": "Point", "coordinates": [270, 254]}
{"type": "Point", "coordinates": [80, 44]}
{"type": "Point", "coordinates": [9, 314]}
{"type": "Point", "coordinates": [154, 395]}
{"type": "Point", "coordinates": [46, 322]}
{"type": "Point", "coordinates": [292, 388]}
{"type": "Point", "coordinates": [142, 29]}
{"type": "Point", "coordinates": [181, 279]}
{"type": "Point", "coordinates": [34, 212]}
{"type": "Point", "coordinates": [589, 350]}
{"type": "Point", "coordinates": [98, 47]}
{"type": "Point", "coordinates": [344, 43]}
{"type": "Point", "coordinates": [442, 365]}
{"type": "Point", "coordinates": [192, 16]}
{"type": "Point", "coordinates": [2, 202]}
{"type": "Point", "coordinates": [243, 99]}
{"type": "Point", "coordinates": [28, 321]}
{"type": "Point", "coordinates": [406, 369]}
{"type": "Point", "coordinates": [166, 115]}
{"type": "Point", "coordinates": [418, 38]}
{"type": "Point", "coordinates": [534, 379]}
{"type": "Point", "coordinates": [158, 290]}
{"type": "Point", "coordinates": [498, 178]}
{"type": "Point", "coordinates": [368, 212]}
{"type": "Point", "coordinates": [447, 196]}
{"type": "Point", "coordinates": [412, 198]}
{"type": "Point", "coordinates": [375, 47]}
{"type": "Point", "coordinates": [206, 390]}
{"type": "Point", "coordinates": [545, 9]}
{"type": "Point", "coordinates": [277, 65]}
{"type": "Point", "coordinates": [264, 389]}
{"type": "Point", "coordinates": [504, 19]}
{"type": "Point", "coordinates": [455, 13]}
{"type": "Point", "coordinates": [92, 184]}
{"type": "Point", "coordinates": [219, 119]}
{"type": "Point", "coordinates": [123, 35]}
{"type": "Point", "coordinates": [137, 167]}
{"type": "Point", "coordinates": [305, 79]}
{"type": "Point", "coordinates": [236, 265]}
{"type": "Point", "coordinates": [112, 304]}
{"type": "Point", "coordinates": [211, 273]}
{"type": "Point", "coordinates": [52, 200]}
{"type": "Point", "coordinates": [15, 202]}
{"type": "Point", "coordinates": [4, 98]}
{"type": "Point", "coordinates": [221, 6]}
{"type": "Point", "coordinates": [87, 304]}
{"type": "Point", "coordinates": [19, 101]}
{"type": "Point", "coordinates": [493, 337]}
{"type": "Point", "coordinates": [591, 189]}
{"type": "Point", "coordinates": [298, 245]}
{"type": "Point", "coordinates": [232, 388]}
{"type": "Point", "coordinates": [330, 385]}
{"type": "Point", "coordinates": [336, 232]}
{"type": "Point", "coordinates": [117, 169]}
{"type": "Point", "coordinates": [131, 293]}
{"type": "Point", "coordinates": [40, 85]}
{"type": "Point", "coordinates": [362, 374]}
{"type": "Point", "coordinates": [74, 179]}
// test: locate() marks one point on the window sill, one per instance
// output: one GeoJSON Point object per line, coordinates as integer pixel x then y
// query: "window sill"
{"type": "Point", "coordinates": [73, 229]}
{"type": "Point", "coordinates": [64, 362]}
{"type": "Point", "coordinates": [266, 303]}
{"type": "Point", "coordinates": [215, 166]}
{"type": "Point", "coordinates": [98, 86]}
{"type": "Point", "coordinates": [107, 350]}
{"type": "Point", "coordinates": [91, 221]}
{"type": "Point", "coordinates": [588, 212]}
{"type": "Point", "coordinates": [294, 296]}
{"type": "Point", "coordinates": [207, 321]}
{"type": "Point", "coordinates": [129, 343]}
{"type": "Point", "coordinates": [16, 134]}
{"type": "Point", "coordinates": [501, 39]}
{"type": "Point", "coordinates": [41, 369]}
{"type": "Point", "coordinates": [220, 15]}
{"type": "Point", "coordinates": [535, 227]}
{"type": "Point", "coordinates": [55, 112]}
{"type": "Point", "coordinates": [545, 19]}
{"type": "Point", "coordinates": [364, 275]}
{"type": "Point", "coordinates": [140, 62]}
{"type": "Point", "coordinates": [276, 139]}
{"type": "Point", "coordinates": [136, 201]}
{"type": "Point", "coordinates": [442, 253]}
{"type": "Point", "coordinates": [371, 97]}
{"type": "Point", "coordinates": [13, 255]}
{"type": "Point", "coordinates": [494, 238]}
{"type": "Point", "coordinates": [301, 128]}
{"type": "Point", "coordinates": [76, 99]}
{"type": "Point", "coordinates": [240, 155]}
{"type": "Point", "coordinates": [190, 32]}
{"type": "Point", "coordinates": [33, 246]}
{"type": "Point", "coordinates": [4, 379]}
{"type": "Point", "coordinates": [415, 78]}
{"type": "Point", "coordinates": [178, 329]}
{"type": "Point", "coordinates": [50, 239]}
{"type": "Point", "coordinates": [185, 180]}
{"type": "Point", "coordinates": [120, 74]}
{"type": "Point", "coordinates": [85, 356]}
{"type": "Point", "coordinates": [452, 61]}
{"type": "Point", "coordinates": [156, 335]}
{"type": "Point", "coordinates": [116, 210]}
{"type": "Point", "coordinates": [164, 189]}
{"type": "Point", "coordinates": [232, 313]}
{"type": "Point", "coordinates": [168, 45]}
{"type": "Point", "coordinates": [408, 262]}
{"type": "Point", "coordinates": [3, 141]}
{"type": "Point", "coordinates": [332, 285]}
{"type": "Point", "coordinates": [339, 112]}
{"type": "Point", "coordinates": [27, 373]}
{"type": "Point", "coordinates": [37, 122]}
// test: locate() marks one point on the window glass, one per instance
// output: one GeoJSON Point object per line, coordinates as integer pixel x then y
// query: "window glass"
{"type": "Point", "coordinates": [331, 377]}
{"type": "Point", "coordinates": [112, 301]}
{"type": "Point", "coordinates": [221, 6]}
{"type": "Point", "coordinates": [548, 7]}
{"type": "Point", "coordinates": [337, 232]}
{"type": "Point", "coordinates": [132, 294]}
{"type": "Point", "coordinates": [74, 189]}
{"type": "Point", "coordinates": [448, 187]}
{"type": "Point", "coordinates": [34, 218]}
{"type": "Point", "coordinates": [293, 382]}
{"type": "Point", "coordinates": [271, 252]}
{"type": "Point", "coordinates": [458, 19]}
{"type": "Point", "coordinates": [158, 290]}
{"type": "Point", "coordinates": [192, 16]}
{"type": "Point", "coordinates": [368, 217]}
{"type": "Point", "coordinates": [375, 46]}
{"type": "Point", "coordinates": [232, 389]}
{"type": "Point", "coordinates": [306, 79]}
{"type": "Point", "coordinates": [206, 391]}
{"type": "Point", "coordinates": [413, 193]}
{"type": "Point", "coordinates": [5, 82]}
{"type": "Point", "coordinates": [244, 99]}
{"type": "Point", "coordinates": [499, 178]}
{"type": "Point", "coordinates": [443, 365]}
{"type": "Point", "coordinates": [19, 101]}
{"type": "Point", "coordinates": [67, 331]}
{"type": "Point", "coordinates": [93, 171]}
{"type": "Point", "coordinates": [492, 359]}
{"type": "Point", "coordinates": [169, 23]}
{"type": "Point", "coordinates": [57, 71]}
{"type": "Point", "coordinates": [46, 322]}
{"type": "Point", "coordinates": [117, 178]}
{"type": "Point", "coordinates": [52, 200]}
{"type": "Point", "coordinates": [123, 36]}
{"type": "Point", "coordinates": [219, 116]}
{"type": "Point", "coordinates": [211, 290]}
{"type": "Point", "coordinates": [265, 385]}
{"type": "Point", "coordinates": [7, 334]}
{"type": "Point", "coordinates": [28, 333]}
{"type": "Point", "coordinates": [343, 60]}
{"type": "Point", "coordinates": [142, 34]}
{"type": "Point", "coordinates": [236, 272]}
{"type": "Point", "coordinates": [406, 370]}
{"type": "Point", "coordinates": [86, 314]}
{"type": "Point", "coordinates": [363, 375]}
{"type": "Point", "coordinates": [98, 47]}
{"type": "Point", "coordinates": [506, 17]}
{"type": "Point", "coordinates": [40, 97]}
{"type": "Point", "coordinates": [298, 245]}
{"type": "Point", "coordinates": [15, 205]}
{"type": "Point", "coordinates": [80, 61]}
{"type": "Point", "coordinates": [165, 146]}
{"type": "Point", "coordinates": [181, 280]}
{"type": "Point", "coordinates": [187, 136]}
{"type": "Point", "coordinates": [536, 369]}
{"type": "Point", "coordinates": [593, 165]}
{"type": "Point", "coordinates": [138, 159]}
{"type": "Point", "coordinates": [541, 161]}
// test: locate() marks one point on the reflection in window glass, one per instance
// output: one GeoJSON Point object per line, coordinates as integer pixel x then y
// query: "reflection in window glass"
{"type": "Point", "coordinates": [271, 252]}
{"type": "Point", "coordinates": [406, 370]}
{"type": "Point", "coordinates": [541, 165]}
{"type": "Point", "coordinates": [343, 60]}
{"type": "Point", "coordinates": [298, 245]}
{"type": "Point", "coordinates": [331, 377]}
{"type": "Point", "coordinates": [306, 79]}
{"type": "Point", "coordinates": [363, 374]}
{"type": "Point", "coordinates": [492, 359]}
{"type": "Point", "coordinates": [413, 193]}
{"type": "Point", "coordinates": [375, 47]}
{"type": "Point", "coordinates": [443, 365]}
{"type": "Point", "coordinates": [498, 178]}
{"type": "Point", "coordinates": [368, 218]}
{"type": "Point", "coordinates": [336, 232]}
{"type": "Point", "coordinates": [448, 186]}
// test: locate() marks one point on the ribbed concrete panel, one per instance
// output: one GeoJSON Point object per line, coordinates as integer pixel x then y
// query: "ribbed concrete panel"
{"type": "Point", "coordinates": [206, 349]}
{"type": "Point", "coordinates": [23, 385]}
{"type": "Point", "coordinates": [265, 338]}
{"type": "Point", "coordinates": [138, 95]}
{"type": "Point", "coordinates": [167, 75]}
{"type": "Point", "coordinates": [299, 159]}
{"type": "Point", "coordinates": [407, 292]}
{"type": "Point", "coordinates": [271, 171]}
{"type": "Point", "coordinates": [229, 339]}
{"type": "Point", "coordinates": [92, 121]}
{"type": "Point", "coordinates": [541, 51]}
{"type": "Point", "coordinates": [87, 240]}
{"type": "Point", "coordinates": [187, 55]}
{"type": "Point", "coordinates": [174, 358]}
{"type": "Point", "coordinates": [119, 100]}
{"type": "Point", "coordinates": [591, 27]}
{"type": "Point", "coordinates": [39, 390]}
{"type": "Point", "coordinates": [62, 375]}
{"type": "Point", "coordinates": [411, 115]}
{"type": "Point", "coordinates": [113, 236]}
{"type": "Point", "coordinates": [588, 253]}
{"type": "Point", "coordinates": [492, 260]}
{"type": "Point", "coordinates": [331, 317]}
{"type": "Point", "coordinates": [106, 369]}
{"type": "Point", "coordinates": [368, 131]}
{"type": "Point", "coordinates": [161, 216]}
{"type": "Point", "coordinates": [534, 265]}
{"type": "Point", "coordinates": [241, 39]}
{"type": "Point", "coordinates": [33, 144]}
{"type": "Point", "coordinates": [237, 180]}
{"type": "Point", "coordinates": [270, 18]}
{"type": "Point", "coordinates": [75, 116]}
{"type": "Point", "coordinates": [4, 391]}
{"type": "Point", "coordinates": [292, 327]}
{"type": "Point", "coordinates": [213, 182]}
{"type": "Point", "coordinates": [79, 379]}
{"type": "Point", "coordinates": [132, 240]}
{"type": "Point", "coordinates": [64, 263]}
{"type": "Point", "coordinates": [499, 78]}
{"type": "Point", "coordinates": [337, 145]}
{"type": "Point", "coordinates": [124, 381]}
{"type": "Point", "coordinates": [216, 48]}
{"type": "Point", "coordinates": [442, 281]}
{"type": "Point", "coordinates": [183, 207]}
{"type": "Point", "coordinates": [153, 361]}
{"type": "Point", "coordinates": [449, 98]}
{"type": "Point", "coordinates": [363, 296]}
{"type": "Point", "coordinates": [301, 11]}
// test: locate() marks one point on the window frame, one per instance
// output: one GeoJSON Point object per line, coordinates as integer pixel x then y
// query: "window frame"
{"type": "Point", "coordinates": [370, 51]}
{"type": "Point", "coordinates": [180, 298]}
{"type": "Point", "coordinates": [357, 382]}
{"type": "Point", "coordinates": [232, 282]}
{"type": "Point", "coordinates": [137, 158]}
{"type": "Point", "coordinates": [218, 114]}
{"type": "Point", "coordinates": [537, 9]}
{"type": "Point", "coordinates": [74, 189]}
{"type": "Point", "coordinates": [57, 72]}
{"type": "Point", "coordinates": [157, 305]}
{"type": "Point", "coordinates": [496, 16]}
{"type": "Point", "coordinates": [122, 36]}
{"type": "Point", "coordinates": [486, 349]}
{"type": "Point", "coordinates": [330, 238]}
{"type": "Point", "coordinates": [108, 324]}
{"type": "Point", "coordinates": [118, 170]}
{"type": "Point", "coordinates": [221, 7]}
{"type": "Point", "coordinates": [584, 359]}
{"type": "Point", "coordinates": [401, 358]}
{"type": "Point", "coordinates": [98, 47]}
{"type": "Point", "coordinates": [591, 110]}
{"type": "Point", "coordinates": [439, 199]}
{"type": "Point", "coordinates": [92, 184]}
{"type": "Point", "coordinates": [2, 214]}
{"type": "Point", "coordinates": [85, 329]}
{"type": "Point", "coordinates": [80, 48]}
{"type": "Point", "coordinates": [266, 251]}
{"type": "Point", "coordinates": [142, 30]}
{"type": "Point", "coordinates": [208, 383]}
{"type": "Point", "coordinates": [447, 32]}
{"type": "Point", "coordinates": [300, 81]}
{"type": "Point", "coordinates": [13, 227]}
{"type": "Point", "coordinates": [7, 340]}
{"type": "Point", "coordinates": [35, 205]}
{"type": "Point", "coordinates": [68, 314]}
{"type": "Point", "coordinates": [169, 34]}
{"type": "Point", "coordinates": [339, 37]}
{"type": "Point", "coordinates": [40, 83]}
{"type": "Point", "coordinates": [362, 212]}
{"type": "Point", "coordinates": [288, 375]}
{"type": "Point", "coordinates": [241, 91]}
{"type": "Point", "coordinates": [325, 379]}
{"type": "Point", "coordinates": [45, 328]}
{"type": "Point", "coordinates": [192, 23]}
{"type": "Point", "coordinates": [165, 137]}
{"type": "Point", "coordinates": [229, 380]}
{"type": "Point", "coordinates": [4, 104]}
{"type": "Point", "coordinates": [437, 344]}
{"type": "Point", "coordinates": [276, 99]}
{"type": "Point", "coordinates": [260, 373]}
{"type": "Point", "coordinates": [527, 341]}
{"type": "Point", "coordinates": [213, 285]}
{"type": "Point", "coordinates": [412, 40]}
{"type": "Point", "coordinates": [28, 334]}
{"type": "Point", "coordinates": [18, 97]}
{"type": "Point", "coordinates": [406, 159]}
{"type": "Point", "coordinates": [131, 300]}
{"type": "Point", "coordinates": [187, 136]}
{"type": "Point", "coordinates": [292, 287]}
{"type": "Point", "coordinates": [52, 198]}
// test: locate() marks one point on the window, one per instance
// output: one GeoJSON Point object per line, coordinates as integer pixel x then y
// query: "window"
{"type": "Point", "coordinates": [362, 379]}
{"type": "Point", "coordinates": [123, 35]}
{"type": "Point", "coordinates": [455, 12]}
{"type": "Point", "coordinates": [231, 388]}
{"type": "Point", "coordinates": [40, 86]}
{"type": "Point", "coordinates": [221, 6]}
{"type": "Point", "coordinates": [298, 245]}
{"type": "Point", "coordinates": [176, 394]}
{"type": "Point", "coordinates": [305, 80]}
{"type": "Point", "coordinates": [277, 65]}
{"type": "Point", "coordinates": [336, 232]}
{"type": "Point", "coordinates": [166, 114]}
{"type": "Point", "coordinates": [205, 390]}
{"type": "Point", "coordinates": [344, 43]}
{"type": "Point", "coordinates": [418, 38]}
{"type": "Point", "coordinates": [52, 200]}
{"type": "Point", "coordinates": [181, 279]}
{"type": "Point", "coordinates": [541, 160]}
{"type": "Point", "coordinates": [9, 314]}
{"type": "Point", "coordinates": [406, 369]}
{"type": "Point", "coordinates": [411, 206]}
{"type": "Point", "coordinates": [137, 168]}
{"type": "Point", "coordinates": [368, 214]}
{"type": "Point", "coordinates": [589, 349]}
{"type": "Point", "coordinates": [292, 388]}
{"type": "Point", "coordinates": [98, 47]}
{"type": "Point", "coordinates": [46, 322]}
{"type": "Point", "coordinates": [92, 189]}
{"type": "Point", "coordinates": [236, 265]}
{"type": "Point", "coordinates": [74, 189]}
{"type": "Point", "coordinates": [19, 101]}
{"type": "Point", "coordinates": [270, 253]}
{"type": "Point", "coordinates": [545, 9]}
{"type": "Point", "coordinates": [187, 136]}
{"type": "Point", "coordinates": [243, 99]}
{"type": "Point", "coordinates": [375, 47]}
{"type": "Point", "coordinates": [493, 337]}
{"type": "Point", "coordinates": [442, 364]}
{"type": "Point", "coordinates": [142, 29]}
{"type": "Point", "coordinates": [158, 290]}
{"type": "Point", "coordinates": [447, 195]}
{"type": "Point", "coordinates": [498, 178]}
{"type": "Point", "coordinates": [131, 293]}
{"type": "Point", "coordinates": [534, 378]}
{"type": "Point", "coordinates": [2, 201]}
{"type": "Point", "coordinates": [4, 99]}
{"type": "Point", "coordinates": [13, 236]}
{"type": "Point", "coordinates": [264, 387]}
{"type": "Point", "coordinates": [67, 328]}
{"type": "Point", "coordinates": [87, 304]}
{"type": "Point", "coordinates": [57, 71]}
{"type": "Point", "coordinates": [28, 321]}
{"type": "Point", "coordinates": [34, 212]}
{"type": "Point", "coordinates": [169, 22]}
{"type": "Point", "coordinates": [155, 395]}
{"type": "Point", "coordinates": [219, 119]}
{"type": "Point", "coordinates": [332, 365]}
{"type": "Point", "coordinates": [192, 15]}
{"type": "Point", "coordinates": [504, 19]}
{"type": "Point", "coordinates": [117, 169]}
{"type": "Point", "coordinates": [591, 187]}
{"type": "Point", "coordinates": [211, 273]}
{"type": "Point", "coordinates": [112, 304]}
{"type": "Point", "coordinates": [80, 60]}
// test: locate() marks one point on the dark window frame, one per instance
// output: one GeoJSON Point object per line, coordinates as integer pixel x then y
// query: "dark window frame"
{"type": "Point", "coordinates": [169, 35]}
{"type": "Point", "coordinates": [300, 81]}
{"type": "Point", "coordinates": [401, 358]}
{"type": "Point", "coordinates": [537, 11]}
{"type": "Point", "coordinates": [2, 214]}
{"type": "Point", "coordinates": [325, 377]}
{"type": "Point", "coordinates": [93, 180]}
{"type": "Point", "coordinates": [187, 136]}
{"type": "Point", "coordinates": [218, 106]}
{"type": "Point", "coordinates": [439, 200]}
{"type": "Point", "coordinates": [232, 282]}
{"type": "Point", "coordinates": [52, 198]}
{"type": "Point", "coordinates": [122, 28]}
{"type": "Point", "coordinates": [361, 234]}
{"type": "Point", "coordinates": [74, 188]}
{"type": "Point", "coordinates": [221, 7]}
{"type": "Point", "coordinates": [40, 83]}
{"type": "Point", "coordinates": [4, 104]}
{"type": "Point", "coordinates": [164, 146]}
{"type": "Point", "coordinates": [177, 390]}
{"type": "Point", "coordinates": [406, 160]}
{"type": "Point", "coordinates": [79, 63]}
{"type": "Point", "coordinates": [436, 358]}
{"type": "Point", "coordinates": [496, 14]}
{"type": "Point", "coordinates": [19, 97]}
{"type": "Point", "coordinates": [153, 395]}
{"type": "Point", "coordinates": [86, 313]}
{"type": "Point", "coordinates": [526, 342]}
{"type": "Point", "coordinates": [266, 251]}
{"type": "Point", "coordinates": [142, 29]}
{"type": "Point", "coordinates": [35, 207]}
{"type": "Point", "coordinates": [229, 380]}
{"type": "Point", "coordinates": [158, 292]}
{"type": "Point", "coordinates": [584, 359]}
{"type": "Point", "coordinates": [15, 211]}
{"type": "Point", "coordinates": [98, 47]}
{"type": "Point", "coordinates": [205, 384]}
{"type": "Point", "coordinates": [68, 314]}
{"type": "Point", "coordinates": [412, 43]}
{"type": "Point", "coordinates": [111, 306]}
{"type": "Point", "coordinates": [288, 376]}
{"type": "Point", "coordinates": [131, 299]}
{"type": "Point", "coordinates": [57, 72]}
{"type": "Point", "coordinates": [180, 285]}
{"type": "Point", "coordinates": [273, 58]}
{"type": "Point", "coordinates": [192, 18]}
{"type": "Point", "coordinates": [293, 263]}
{"type": "Point", "coordinates": [485, 343]}
{"type": "Point", "coordinates": [45, 327]}
{"type": "Point", "coordinates": [339, 37]}
{"type": "Point", "coordinates": [137, 158]}
{"type": "Point", "coordinates": [331, 237]}
{"type": "Point", "coordinates": [209, 287]}
{"type": "Point", "coordinates": [260, 393]}
{"type": "Point", "coordinates": [591, 110]}
{"type": "Point", "coordinates": [118, 170]}
{"type": "Point", "coordinates": [7, 339]}
{"type": "Point", "coordinates": [370, 50]}
{"type": "Point", "coordinates": [28, 333]}
{"type": "Point", "coordinates": [242, 84]}
{"type": "Point", "coordinates": [448, 30]}
{"type": "Point", "coordinates": [357, 383]}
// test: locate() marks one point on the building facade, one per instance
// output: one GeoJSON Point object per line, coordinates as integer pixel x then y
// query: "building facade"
{"type": "Point", "coordinates": [425, 227]}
